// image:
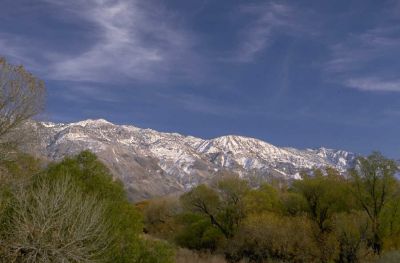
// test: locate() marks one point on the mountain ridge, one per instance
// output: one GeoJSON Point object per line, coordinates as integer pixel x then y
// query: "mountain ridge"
{"type": "Point", "coordinates": [152, 163]}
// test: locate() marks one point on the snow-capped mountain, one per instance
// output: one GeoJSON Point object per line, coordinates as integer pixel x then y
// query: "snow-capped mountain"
{"type": "Point", "coordinates": [152, 163]}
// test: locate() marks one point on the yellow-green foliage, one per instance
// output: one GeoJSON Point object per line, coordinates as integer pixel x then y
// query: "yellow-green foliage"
{"type": "Point", "coordinates": [352, 232]}
{"type": "Point", "coordinates": [324, 217]}
{"type": "Point", "coordinates": [376, 189]}
{"type": "Point", "coordinates": [72, 211]}
{"type": "Point", "coordinates": [323, 196]}
{"type": "Point", "coordinates": [222, 205]}
{"type": "Point", "coordinates": [93, 177]}
{"type": "Point", "coordinates": [268, 236]}
{"type": "Point", "coordinates": [160, 216]}
{"type": "Point", "coordinates": [263, 199]}
{"type": "Point", "coordinates": [19, 170]}
{"type": "Point", "coordinates": [155, 251]}
{"type": "Point", "coordinates": [198, 233]}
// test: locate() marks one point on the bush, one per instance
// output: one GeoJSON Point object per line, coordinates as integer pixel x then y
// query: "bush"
{"type": "Point", "coordinates": [55, 222]}
{"type": "Point", "coordinates": [188, 256]}
{"type": "Point", "coordinates": [93, 178]}
{"type": "Point", "coordinates": [268, 237]}
{"type": "Point", "coordinates": [155, 251]}
{"type": "Point", "coordinates": [198, 234]}
{"type": "Point", "coordinates": [160, 217]}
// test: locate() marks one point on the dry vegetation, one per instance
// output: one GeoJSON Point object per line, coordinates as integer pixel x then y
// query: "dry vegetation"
{"type": "Point", "coordinates": [55, 222]}
{"type": "Point", "coordinates": [188, 256]}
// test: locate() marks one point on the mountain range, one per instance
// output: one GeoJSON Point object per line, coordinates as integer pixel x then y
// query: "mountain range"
{"type": "Point", "coordinates": [152, 163]}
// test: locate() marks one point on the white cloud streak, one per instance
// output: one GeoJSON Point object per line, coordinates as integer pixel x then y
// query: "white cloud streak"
{"type": "Point", "coordinates": [13, 47]}
{"type": "Point", "coordinates": [132, 39]}
{"type": "Point", "coordinates": [355, 62]}
{"type": "Point", "coordinates": [374, 84]}
{"type": "Point", "coordinates": [269, 18]}
{"type": "Point", "coordinates": [135, 40]}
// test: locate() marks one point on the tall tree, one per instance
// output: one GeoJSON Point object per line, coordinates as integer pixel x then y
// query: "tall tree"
{"type": "Point", "coordinates": [21, 97]}
{"type": "Point", "coordinates": [324, 196]}
{"type": "Point", "coordinates": [374, 187]}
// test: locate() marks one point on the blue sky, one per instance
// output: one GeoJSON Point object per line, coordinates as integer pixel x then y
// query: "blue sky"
{"type": "Point", "coordinates": [293, 73]}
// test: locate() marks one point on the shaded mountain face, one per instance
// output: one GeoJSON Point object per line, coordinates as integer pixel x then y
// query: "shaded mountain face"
{"type": "Point", "coordinates": [152, 163]}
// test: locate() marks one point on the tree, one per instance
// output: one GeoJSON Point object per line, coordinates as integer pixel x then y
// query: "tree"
{"type": "Point", "coordinates": [391, 222]}
{"type": "Point", "coordinates": [198, 233]}
{"type": "Point", "coordinates": [374, 187]}
{"type": "Point", "coordinates": [223, 204]}
{"type": "Point", "coordinates": [205, 200]}
{"type": "Point", "coordinates": [324, 196]}
{"type": "Point", "coordinates": [21, 97]}
{"type": "Point", "coordinates": [263, 199]}
{"type": "Point", "coordinates": [232, 192]}
{"type": "Point", "coordinates": [351, 230]}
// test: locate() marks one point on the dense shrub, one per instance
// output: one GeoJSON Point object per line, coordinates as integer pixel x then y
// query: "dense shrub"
{"type": "Point", "coordinates": [185, 256]}
{"type": "Point", "coordinates": [160, 216]}
{"type": "Point", "coordinates": [73, 211]}
{"type": "Point", "coordinates": [93, 178]}
{"type": "Point", "coordinates": [198, 233]}
{"type": "Point", "coordinates": [352, 232]}
{"type": "Point", "coordinates": [267, 237]}
{"type": "Point", "coordinates": [52, 221]}
{"type": "Point", "coordinates": [155, 251]}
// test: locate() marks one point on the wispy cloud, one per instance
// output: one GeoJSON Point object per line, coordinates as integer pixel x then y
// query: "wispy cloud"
{"type": "Point", "coordinates": [367, 61]}
{"type": "Point", "coordinates": [132, 39]}
{"type": "Point", "coordinates": [135, 40]}
{"type": "Point", "coordinates": [374, 84]}
{"type": "Point", "coordinates": [13, 47]}
{"type": "Point", "coordinates": [266, 20]}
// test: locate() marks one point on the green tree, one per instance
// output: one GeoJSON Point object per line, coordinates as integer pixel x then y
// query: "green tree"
{"type": "Point", "coordinates": [352, 230]}
{"type": "Point", "coordinates": [204, 200]}
{"type": "Point", "coordinates": [374, 188]}
{"type": "Point", "coordinates": [198, 233]}
{"type": "Point", "coordinates": [391, 222]}
{"type": "Point", "coordinates": [263, 199]}
{"type": "Point", "coordinates": [223, 205]}
{"type": "Point", "coordinates": [324, 195]}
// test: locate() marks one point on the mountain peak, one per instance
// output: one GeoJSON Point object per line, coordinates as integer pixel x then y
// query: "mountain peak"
{"type": "Point", "coordinates": [92, 122]}
{"type": "Point", "coordinates": [236, 143]}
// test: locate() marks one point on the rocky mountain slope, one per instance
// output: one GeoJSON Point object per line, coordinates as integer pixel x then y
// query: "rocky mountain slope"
{"type": "Point", "coordinates": [152, 163]}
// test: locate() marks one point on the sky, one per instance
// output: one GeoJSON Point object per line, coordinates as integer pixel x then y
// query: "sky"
{"type": "Point", "coordinates": [300, 73]}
